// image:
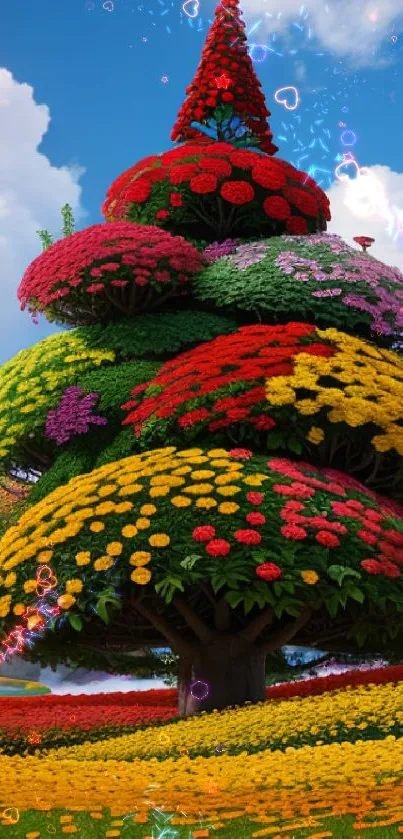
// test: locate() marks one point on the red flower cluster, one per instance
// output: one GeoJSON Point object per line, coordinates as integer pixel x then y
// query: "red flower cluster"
{"type": "Point", "coordinates": [225, 75]}
{"type": "Point", "coordinates": [371, 522]}
{"type": "Point", "coordinates": [285, 195]}
{"type": "Point", "coordinates": [268, 571]}
{"type": "Point", "coordinates": [22, 719]}
{"type": "Point", "coordinates": [208, 373]}
{"type": "Point", "coordinates": [104, 258]}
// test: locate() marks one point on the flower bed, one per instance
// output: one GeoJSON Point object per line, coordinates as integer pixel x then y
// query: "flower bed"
{"type": "Point", "coordinates": [320, 278]}
{"type": "Point", "coordinates": [210, 187]}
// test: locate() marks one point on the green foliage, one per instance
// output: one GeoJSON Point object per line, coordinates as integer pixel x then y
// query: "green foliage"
{"type": "Point", "coordinates": [68, 228]}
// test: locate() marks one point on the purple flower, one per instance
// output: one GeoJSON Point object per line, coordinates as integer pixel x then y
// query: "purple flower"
{"type": "Point", "coordinates": [73, 415]}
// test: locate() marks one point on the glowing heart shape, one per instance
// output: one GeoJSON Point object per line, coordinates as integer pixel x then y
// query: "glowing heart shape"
{"type": "Point", "coordinates": [348, 161]}
{"type": "Point", "coordinates": [291, 100]}
{"type": "Point", "coordinates": [46, 580]}
{"type": "Point", "coordinates": [11, 815]}
{"type": "Point", "coordinates": [191, 8]}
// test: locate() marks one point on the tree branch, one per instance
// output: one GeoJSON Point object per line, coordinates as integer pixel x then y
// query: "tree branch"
{"type": "Point", "coordinates": [222, 615]}
{"type": "Point", "coordinates": [287, 632]}
{"type": "Point", "coordinates": [257, 625]}
{"type": "Point", "coordinates": [177, 642]}
{"type": "Point", "coordinates": [195, 623]}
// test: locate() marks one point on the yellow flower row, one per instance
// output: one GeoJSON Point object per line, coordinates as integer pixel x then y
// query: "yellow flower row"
{"type": "Point", "coordinates": [257, 725]}
{"type": "Point", "coordinates": [29, 379]}
{"type": "Point", "coordinates": [370, 389]}
{"type": "Point", "coordinates": [349, 777]}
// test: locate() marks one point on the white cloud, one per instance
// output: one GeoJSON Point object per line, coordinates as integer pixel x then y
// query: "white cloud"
{"type": "Point", "coordinates": [371, 205]}
{"type": "Point", "coordinates": [32, 192]}
{"type": "Point", "coordinates": [353, 28]}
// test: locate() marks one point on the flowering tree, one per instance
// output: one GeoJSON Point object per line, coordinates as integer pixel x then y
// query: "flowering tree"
{"type": "Point", "coordinates": [238, 484]}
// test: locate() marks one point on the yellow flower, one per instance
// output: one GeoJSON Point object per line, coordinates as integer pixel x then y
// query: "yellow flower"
{"type": "Point", "coordinates": [131, 489]}
{"type": "Point", "coordinates": [255, 480]}
{"type": "Point", "coordinates": [74, 586]}
{"type": "Point", "coordinates": [181, 501]}
{"type": "Point", "coordinates": [129, 530]}
{"type": "Point", "coordinates": [159, 491]}
{"type": "Point", "coordinates": [148, 510]}
{"type": "Point", "coordinates": [10, 580]}
{"type": "Point", "coordinates": [19, 609]}
{"type": "Point", "coordinates": [142, 524]}
{"type": "Point", "coordinates": [103, 563]}
{"type": "Point", "coordinates": [228, 490]}
{"type": "Point", "coordinates": [124, 507]}
{"type": "Point", "coordinates": [97, 526]}
{"type": "Point", "coordinates": [44, 556]}
{"type": "Point", "coordinates": [114, 548]}
{"type": "Point", "coordinates": [30, 586]}
{"type": "Point", "coordinates": [310, 577]}
{"type": "Point", "coordinates": [105, 507]}
{"type": "Point", "coordinates": [140, 558]}
{"type": "Point", "coordinates": [66, 601]}
{"type": "Point", "coordinates": [316, 435]}
{"type": "Point", "coordinates": [206, 503]}
{"type": "Point", "coordinates": [187, 453]}
{"type": "Point", "coordinates": [141, 576]}
{"type": "Point", "coordinates": [107, 489]}
{"type": "Point", "coordinates": [217, 453]}
{"type": "Point", "coordinates": [228, 507]}
{"type": "Point", "coordinates": [83, 558]}
{"type": "Point", "coordinates": [199, 489]}
{"type": "Point", "coordinates": [166, 480]}
{"type": "Point", "coordinates": [5, 605]}
{"type": "Point", "coordinates": [202, 474]}
{"type": "Point", "coordinates": [159, 540]}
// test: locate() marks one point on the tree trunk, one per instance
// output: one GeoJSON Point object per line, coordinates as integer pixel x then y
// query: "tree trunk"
{"type": "Point", "coordinates": [225, 671]}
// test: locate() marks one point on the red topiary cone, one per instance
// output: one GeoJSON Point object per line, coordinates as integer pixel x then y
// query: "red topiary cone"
{"type": "Point", "coordinates": [225, 90]}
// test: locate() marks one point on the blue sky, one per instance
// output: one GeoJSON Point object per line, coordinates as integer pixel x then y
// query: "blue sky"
{"type": "Point", "coordinates": [112, 80]}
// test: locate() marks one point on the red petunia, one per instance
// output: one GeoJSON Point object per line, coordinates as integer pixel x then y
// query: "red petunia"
{"type": "Point", "coordinates": [277, 207]}
{"type": "Point", "coordinates": [218, 547]}
{"type": "Point", "coordinates": [203, 533]}
{"type": "Point", "coordinates": [248, 537]}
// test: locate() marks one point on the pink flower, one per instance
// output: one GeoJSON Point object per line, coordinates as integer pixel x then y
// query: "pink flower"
{"type": "Point", "coordinates": [242, 454]}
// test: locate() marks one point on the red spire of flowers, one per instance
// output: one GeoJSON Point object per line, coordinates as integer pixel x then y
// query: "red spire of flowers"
{"type": "Point", "coordinates": [225, 86]}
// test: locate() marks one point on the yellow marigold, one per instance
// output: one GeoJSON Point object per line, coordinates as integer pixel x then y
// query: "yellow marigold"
{"type": "Point", "coordinates": [159, 540]}
{"type": "Point", "coordinates": [129, 530]}
{"type": "Point", "coordinates": [107, 489]}
{"type": "Point", "coordinates": [131, 489]}
{"type": "Point", "coordinates": [10, 579]}
{"type": "Point", "coordinates": [103, 563]}
{"type": "Point", "coordinates": [140, 558]}
{"type": "Point", "coordinates": [114, 548]}
{"type": "Point", "coordinates": [124, 507]}
{"type": "Point", "coordinates": [166, 480]}
{"type": "Point", "coordinates": [310, 577]}
{"type": "Point", "coordinates": [104, 508]}
{"type": "Point", "coordinates": [306, 407]}
{"type": "Point", "coordinates": [255, 480]}
{"type": "Point", "coordinates": [74, 586]}
{"type": "Point", "coordinates": [83, 558]}
{"type": "Point", "coordinates": [141, 576]}
{"type": "Point", "coordinates": [30, 586]}
{"type": "Point", "coordinates": [148, 510]}
{"type": "Point", "coordinates": [202, 474]}
{"type": "Point", "coordinates": [206, 503]}
{"type": "Point", "coordinates": [5, 605]}
{"type": "Point", "coordinates": [142, 524]}
{"type": "Point", "coordinates": [182, 470]}
{"type": "Point", "coordinates": [221, 480]}
{"type": "Point", "coordinates": [381, 443]}
{"type": "Point", "coordinates": [187, 453]}
{"type": "Point", "coordinates": [199, 489]}
{"type": "Point", "coordinates": [159, 491]}
{"type": "Point", "coordinates": [315, 435]}
{"type": "Point", "coordinates": [217, 453]}
{"type": "Point", "coordinates": [228, 507]}
{"type": "Point", "coordinates": [181, 501]}
{"type": "Point", "coordinates": [44, 556]}
{"type": "Point", "coordinates": [97, 526]}
{"type": "Point", "coordinates": [66, 601]}
{"type": "Point", "coordinates": [228, 490]}
{"type": "Point", "coordinates": [19, 609]}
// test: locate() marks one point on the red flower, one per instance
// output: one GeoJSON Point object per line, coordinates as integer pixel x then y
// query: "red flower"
{"type": "Point", "coordinates": [218, 547]}
{"type": "Point", "coordinates": [372, 566]}
{"type": "Point", "coordinates": [268, 571]}
{"type": "Point", "coordinates": [175, 199]}
{"type": "Point", "coordinates": [268, 174]}
{"type": "Point", "coordinates": [242, 454]}
{"type": "Point", "coordinates": [203, 184]}
{"type": "Point", "coordinates": [243, 159]}
{"type": "Point", "coordinates": [292, 531]}
{"type": "Point", "coordinates": [369, 538]}
{"type": "Point", "coordinates": [162, 214]}
{"type": "Point", "coordinates": [255, 498]}
{"type": "Point", "coordinates": [237, 192]}
{"type": "Point", "coordinates": [138, 191]}
{"type": "Point", "coordinates": [390, 569]}
{"type": "Point", "coordinates": [327, 539]}
{"type": "Point", "coordinates": [248, 537]}
{"type": "Point", "coordinates": [216, 165]}
{"type": "Point", "coordinates": [182, 173]}
{"type": "Point", "coordinates": [189, 419]}
{"type": "Point", "coordinates": [303, 201]}
{"type": "Point", "coordinates": [263, 422]}
{"type": "Point", "coordinates": [203, 533]}
{"type": "Point", "coordinates": [277, 207]}
{"type": "Point", "coordinates": [255, 518]}
{"type": "Point", "coordinates": [297, 226]}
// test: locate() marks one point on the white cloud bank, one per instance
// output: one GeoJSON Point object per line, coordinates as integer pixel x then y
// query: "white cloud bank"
{"type": "Point", "coordinates": [353, 28]}
{"type": "Point", "coordinates": [371, 205]}
{"type": "Point", "coordinates": [32, 192]}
